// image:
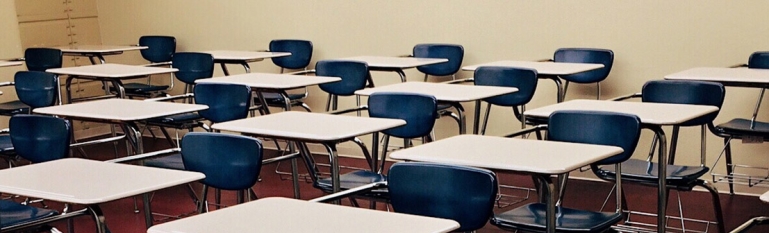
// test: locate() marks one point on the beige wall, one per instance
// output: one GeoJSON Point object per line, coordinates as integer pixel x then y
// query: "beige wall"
{"type": "Point", "coordinates": [10, 47]}
{"type": "Point", "coordinates": [650, 39]}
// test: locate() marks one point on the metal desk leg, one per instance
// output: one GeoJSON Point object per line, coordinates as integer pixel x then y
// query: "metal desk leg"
{"type": "Point", "coordinates": [246, 67]}
{"type": "Point", "coordinates": [477, 119]}
{"type": "Point", "coordinates": [98, 217]}
{"type": "Point", "coordinates": [68, 87]}
{"type": "Point", "coordinates": [662, 174]}
{"type": "Point", "coordinates": [224, 69]}
{"type": "Point", "coordinates": [550, 196]}
{"type": "Point", "coordinates": [334, 161]}
{"type": "Point", "coordinates": [147, 210]}
{"type": "Point", "coordinates": [101, 59]}
{"type": "Point", "coordinates": [291, 148]}
{"type": "Point", "coordinates": [401, 74]}
{"type": "Point", "coordinates": [462, 119]}
{"type": "Point", "coordinates": [558, 85]}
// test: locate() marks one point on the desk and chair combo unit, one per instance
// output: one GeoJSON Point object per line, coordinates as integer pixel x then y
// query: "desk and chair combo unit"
{"type": "Point", "coordinates": [579, 133]}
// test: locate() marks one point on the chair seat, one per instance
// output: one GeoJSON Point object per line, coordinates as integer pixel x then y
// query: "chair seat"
{"type": "Point", "coordinates": [178, 120]}
{"type": "Point", "coordinates": [740, 126]}
{"type": "Point", "coordinates": [642, 171]}
{"type": "Point", "coordinates": [275, 98]}
{"type": "Point", "coordinates": [14, 213]}
{"type": "Point", "coordinates": [532, 217]}
{"type": "Point", "coordinates": [444, 106]}
{"type": "Point", "coordinates": [352, 180]}
{"type": "Point", "coordinates": [13, 108]}
{"type": "Point", "coordinates": [133, 88]}
{"type": "Point", "coordinates": [168, 162]}
{"type": "Point", "coordinates": [5, 144]}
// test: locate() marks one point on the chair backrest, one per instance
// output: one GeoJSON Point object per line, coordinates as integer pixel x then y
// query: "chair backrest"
{"type": "Point", "coordinates": [463, 194]}
{"type": "Point", "coordinates": [193, 66]}
{"type": "Point", "coordinates": [353, 74]}
{"type": "Point", "coordinates": [586, 55]}
{"type": "Point", "coordinates": [600, 128]}
{"type": "Point", "coordinates": [230, 162]}
{"type": "Point", "coordinates": [455, 54]}
{"type": "Point", "coordinates": [419, 112]}
{"type": "Point", "coordinates": [225, 102]}
{"type": "Point", "coordinates": [759, 60]}
{"type": "Point", "coordinates": [39, 138]}
{"type": "Point", "coordinates": [523, 79]}
{"type": "Point", "coordinates": [686, 92]}
{"type": "Point", "coordinates": [36, 89]}
{"type": "Point", "coordinates": [41, 59]}
{"type": "Point", "coordinates": [160, 48]}
{"type": "Point", "coordinates": [301, 53]}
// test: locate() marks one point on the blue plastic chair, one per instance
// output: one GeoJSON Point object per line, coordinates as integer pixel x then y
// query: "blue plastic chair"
{"type": "Point", "coordinates": [192, 66]}
{"type": "Point", "coordinates": [739, 128]}
{"type": "Point", "coordinates": [301, 54]}
{"type": "Point", "coordinates": [586, 55]}
{"type": "Point", "coordinates": [419, 112]}
{"type": "Point", "coordinates": [354, 76]}
{"type": "Point", "coordinates": [230, 162]}
{"type": "Point", "coordinates": [41, 59]}
{"type": "Point", "coordinates": [590, 127]}
{"type": "Point", "coordinates": [462, 194]}
{"type": "Point", "coordinates": [33, 88]}
{"type": "Point", "coordinates": [159, 53]}
{"type": "Point", "coordinates": [523, 79]}
{"type": "Point", "coordinates": [679, 177]}
{"type": "Point", "coordinates": [453, 52]}
{"type": "Point", "coordinates": [226, 102]}
{"type": "Point", "coordinates": [17, 216]}
{"type": "Point", "coordinates": [39, 138]}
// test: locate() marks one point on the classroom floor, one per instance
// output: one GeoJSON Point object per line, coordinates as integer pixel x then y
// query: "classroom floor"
{"type": "Point", "coordinates": [120, 216]}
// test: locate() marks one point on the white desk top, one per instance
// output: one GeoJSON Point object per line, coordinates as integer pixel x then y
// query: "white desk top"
{"type": "Point", "coordinates": [650, 113]}
{"type": "Point", "coordinates": [534, 156]}
{"type": "Point", "coordinates": [546, 68]}
{"type": "Point", "coordinates": [276, 214]}
{"type": "Point", "coordinates": [83, 181]}
{"type": "Point", "coordinates": [111, 70]}
{"type": "Point", "coordinates": [10, 63]}
{"type": "Point", "coordinates": [395, 62]}
{"type": "Point", "coordinates": [765, 197]}
{"type": "Point", "coordinates": [244, 55]}
{"type": "Point", "coordinates": [99, 48]}
{"type": "Point", "coordinates": [119, 109]}
{"type": "Point", "coordinates": [271, 81]}
{"type": "Point", "coordinates": [442, 91]}
{"type": "Point", "coordinates": [722, 74]}
{"type": "Point", "coordinates": [319, 127]}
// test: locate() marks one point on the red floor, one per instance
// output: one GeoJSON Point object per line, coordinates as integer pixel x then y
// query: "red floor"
{"type": "Point", "coordinates": [580, 194]}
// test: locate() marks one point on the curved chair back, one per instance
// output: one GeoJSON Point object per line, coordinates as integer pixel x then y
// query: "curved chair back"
{"type": "Point", "coordinates": [759, 60]}
{"type": "Point", "coordinates": [585, 55]}
{"type": "Point", "coordinates": [40, 138]}
{"type": "Point", "coordinates": [455, 54]}
{"type": "Point", "coordinates": [353, 74]}
{"type": "Point", "coordinates": [301, 53]}
{"type": "Point", "coordinates": [225, 102]}
{"type": "Point", "coordinates": [463, 194]}
{"type": "Point", "coordinates": [523, 79]}
{"type": "Point", "coordinates": [160, 48]}
{"type": "Point", "coordinates": [419, 112]}
{"type": "Point", "coordinates": [600, 128]}
{"type": "Point", "coordinates": [193, 66]}
{"type": "Point", "coordinates": [36, 89]}
{"type": "Point", "coordinates": [230, 162]}
{"type": "Point", "coordinates": [686, 92]}
{"type": "Point", "coordinates": [41, 59]}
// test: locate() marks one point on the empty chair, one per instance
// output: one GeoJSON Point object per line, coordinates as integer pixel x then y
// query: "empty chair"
{"type": "Point", "coordinates": [462, 194]}
{"type": "Point", "coordinates": [739, 128]}
{"type": "Point", "coordinates": [301, 54]}
{"type": "Point", "coordinates": [230, 162]}
{"type": "Point", "coordinates": [586, 55]}
{"type": "Point", "coordinates": [523, 79]}
{"type": "Point", "coordinates": [354, 76]}
{"type": "Point", "coordinates": [41, 59]}
{"type": "Point", "coordinates": [159, 52]}
{"type": "Point", "coordinates": [192, 66]}
{"type": "Point", "coordinates": [419, 112]}
{"type": "Point", "coordinates": [39, 138]}
{"type": "Point", "coordinates": [679, 177]}
{"type": "Point", "coordinates": [454, 53]}
{"type": "Point", "coordinates": [591, 127]}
